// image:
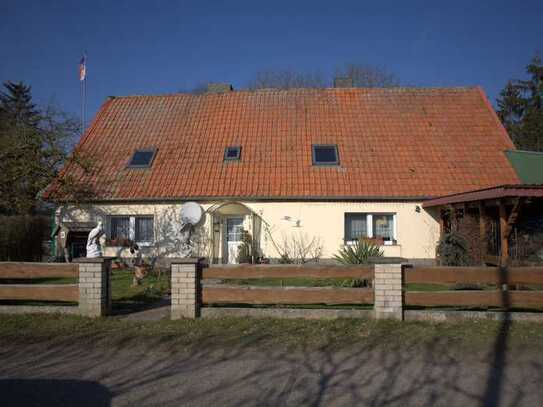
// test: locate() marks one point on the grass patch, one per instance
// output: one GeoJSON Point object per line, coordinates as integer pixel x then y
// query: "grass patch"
{"type": "Point", "coordinates": [124, 295]}
{"type": "Point", "coordinates": [265, 332]}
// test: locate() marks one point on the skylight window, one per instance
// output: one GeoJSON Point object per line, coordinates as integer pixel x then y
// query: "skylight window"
{"type": "Point", "coordinates": [325, 154]}
{"type": "Point", "coordinates": [232, 153]}
{"type": "Point", "coordinates": [142, 158]}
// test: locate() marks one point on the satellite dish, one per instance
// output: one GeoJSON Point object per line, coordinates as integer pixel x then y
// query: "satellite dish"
{"type": "Point", "coordinates": [191, 213]}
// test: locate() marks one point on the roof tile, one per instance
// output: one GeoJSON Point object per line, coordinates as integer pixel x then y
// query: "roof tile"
{"type": "Point", "coordinates": [395, 142]}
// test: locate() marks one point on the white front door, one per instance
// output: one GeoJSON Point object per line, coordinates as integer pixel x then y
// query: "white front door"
{"type": "Point", "coordinates": [234, 231]}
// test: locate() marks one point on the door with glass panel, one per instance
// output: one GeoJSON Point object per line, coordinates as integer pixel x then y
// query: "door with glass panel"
{"type": "Point", "coordinates": [234, 234]}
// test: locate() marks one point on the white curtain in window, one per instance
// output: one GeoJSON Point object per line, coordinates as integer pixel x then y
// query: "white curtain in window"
{"type": "Point", "coordinates": [383, 226]}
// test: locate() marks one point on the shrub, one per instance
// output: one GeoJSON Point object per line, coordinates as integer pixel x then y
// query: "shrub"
{"type": "Point", "coordinates": [452, 250]}
{"type": "Point", "coordinates": [22, 237]}
{"type": "Point", "coordinates": [358, 253]}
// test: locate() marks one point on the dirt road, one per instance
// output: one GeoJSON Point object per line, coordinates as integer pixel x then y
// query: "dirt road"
{"type": "Point", "coordinates": [154, 373]}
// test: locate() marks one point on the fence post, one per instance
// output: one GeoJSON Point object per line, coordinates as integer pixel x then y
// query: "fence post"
{"type": "Point", "coordinates": [388, 291]}
{"type": "Point", "coordinates": [186, 293]}
{"type": "Point", "coordinates": [94, 286]}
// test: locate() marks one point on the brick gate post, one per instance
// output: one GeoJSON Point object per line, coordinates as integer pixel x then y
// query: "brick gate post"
{"type": "Point", "coordinates": [388, 291]}
{"type": "Point", "coordinates": [186, 292]}
{"type": "Point", "coordinates": [94, 286]}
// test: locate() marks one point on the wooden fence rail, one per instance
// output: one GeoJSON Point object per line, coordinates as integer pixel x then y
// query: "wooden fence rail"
{"type": "Point", "coordinates": [474, 275]}
{"type": "Point", "coordinates": [258, 295]}
{"type": "Point", "coordinates": [19, 270]}
{"type": "Point", "coordinates": [286, 295]}
{"type": "Point", "coordinates": [288, 271]}
{"type": "Point", "coordinates": [495, 298]}
{"type": "Point", "coordinates": [38, 292]}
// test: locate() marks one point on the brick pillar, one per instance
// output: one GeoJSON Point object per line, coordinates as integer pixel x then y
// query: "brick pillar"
{"type": "Point", "coordinates": [388, 291]}
{"type": "Point", "coordinates": [94, 286]}
{"type": "Point", "coordinates": [186, 293]}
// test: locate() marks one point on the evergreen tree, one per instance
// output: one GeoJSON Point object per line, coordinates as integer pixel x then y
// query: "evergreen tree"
{"type": "Point", "coordinates": [17, 103]}
{"type": "Point", "coordinates": [510, 110]}
{"type": "Point", "coordinates": [33, 145]}
{"type": "Point", "coordinates": [520, 108]}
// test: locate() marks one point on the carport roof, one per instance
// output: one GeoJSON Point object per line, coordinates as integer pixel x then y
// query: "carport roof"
{"type": "Point", "coordinates": [502, 191]}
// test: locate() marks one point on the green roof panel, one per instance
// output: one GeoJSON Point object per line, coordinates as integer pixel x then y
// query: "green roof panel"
{"type": "Point", "coordinates": [528, 165]}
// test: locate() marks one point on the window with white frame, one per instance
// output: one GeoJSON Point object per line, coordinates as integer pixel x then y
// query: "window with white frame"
{"type": "Point", "coordinates": [139, 229]}
{"type": "Point", "coordinates": [370, 225]}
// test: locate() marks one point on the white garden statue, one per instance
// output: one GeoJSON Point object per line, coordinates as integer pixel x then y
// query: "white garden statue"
{"type": "Point", "coordinates": [94, 249]}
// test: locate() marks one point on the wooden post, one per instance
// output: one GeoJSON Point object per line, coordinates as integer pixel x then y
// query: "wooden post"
{"type": "Point", "coordinates": [504, 235]}
{"type": "Point", "coordinates": [482, 231]}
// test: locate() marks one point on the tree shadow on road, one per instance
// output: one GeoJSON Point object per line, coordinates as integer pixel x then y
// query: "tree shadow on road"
{"type": "Point", "coordinates": [372, 372]}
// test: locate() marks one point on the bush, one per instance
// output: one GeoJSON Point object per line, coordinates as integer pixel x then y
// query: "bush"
{"type": "Point", "coordinates": [22, 237]}
{"type": "Point", "coordinates": [452, 250]}
{"type": "Point", "coordinates": [358, 253]}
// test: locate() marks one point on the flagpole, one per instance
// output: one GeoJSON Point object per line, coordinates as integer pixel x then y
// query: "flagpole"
{"type": "Point", "coordinates": [81, 86]}
{"type": "Point", "coordinates": [83, 80]}
{"type": "Point", "coordinates": [84, 97]}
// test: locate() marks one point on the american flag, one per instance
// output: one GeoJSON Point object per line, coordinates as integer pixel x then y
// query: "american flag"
{"type": "Point", "coordinates": [83, 68]}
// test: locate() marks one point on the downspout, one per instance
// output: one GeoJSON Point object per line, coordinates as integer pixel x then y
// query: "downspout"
{"type": "Point", "coordinates": [53, 247]}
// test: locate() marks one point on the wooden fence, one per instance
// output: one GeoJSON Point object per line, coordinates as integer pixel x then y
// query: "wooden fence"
{"type": "Point", "coordinates": [38, 292]}
{"type": "Point", "coordinates": [500, 295]}
{"type": "Point", "coordinates": [487, 286]}
{"type": "Point", "coordinates": [229, 294]}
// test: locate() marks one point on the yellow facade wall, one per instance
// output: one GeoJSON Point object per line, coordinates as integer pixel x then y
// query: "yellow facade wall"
{"type": "Point", "coordinates": [417, 230]}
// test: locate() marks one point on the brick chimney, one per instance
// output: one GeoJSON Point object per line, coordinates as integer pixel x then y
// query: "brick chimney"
{"type": "Point", "coordinates": [219, 87]}
{"type": "Point", "coordinates": [343, 82]}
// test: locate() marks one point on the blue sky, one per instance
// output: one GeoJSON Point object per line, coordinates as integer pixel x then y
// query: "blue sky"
{"type": "Point", "coordinates": [146, 47]}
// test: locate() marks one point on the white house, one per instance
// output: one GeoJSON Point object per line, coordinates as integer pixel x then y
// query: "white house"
{"type": "Point", "coordinates": [290, 167]}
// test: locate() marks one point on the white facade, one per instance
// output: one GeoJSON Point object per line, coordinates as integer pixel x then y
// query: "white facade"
{"type": "Point", "coordinates": [416, 230]}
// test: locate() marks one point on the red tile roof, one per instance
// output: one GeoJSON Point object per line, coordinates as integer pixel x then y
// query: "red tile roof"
{"type": "Point", "coordinates": [393, 143]}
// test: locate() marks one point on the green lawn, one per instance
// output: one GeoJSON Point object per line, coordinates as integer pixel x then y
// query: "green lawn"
{"type": "Point", "coordinates": [124, 295]}
{"type": "Point", "coordinates": [264, 332]}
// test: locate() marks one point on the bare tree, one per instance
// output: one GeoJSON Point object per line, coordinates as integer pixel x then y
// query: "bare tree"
{"type": "Point", "coordinates": [287, 79]}
{"type": "Point", "coordinates": [368, 76]}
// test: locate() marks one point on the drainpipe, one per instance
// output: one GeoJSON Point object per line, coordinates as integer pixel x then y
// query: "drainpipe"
{"type": "Point", "coordinates": [53, 247]}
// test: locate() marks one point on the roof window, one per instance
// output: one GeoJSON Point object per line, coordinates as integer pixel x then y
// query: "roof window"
{"type": "Point", "coordinates": [325, 154]}
{"type": "Point", "coordinates": [232, 153]}
{"type": "Point", "coordinates": [142, 158]}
